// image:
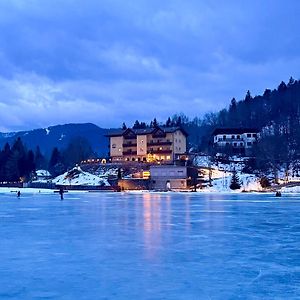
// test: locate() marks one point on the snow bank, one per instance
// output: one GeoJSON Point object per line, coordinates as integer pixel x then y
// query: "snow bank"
{"type": "Point", "coordinates": [294, 189]}
{"type": "Point", "coordinates": [43, 173]}
{"type": "Point", "coordinates": [248, 182]}
{"type": "Point", "coordinates": [78, 177]}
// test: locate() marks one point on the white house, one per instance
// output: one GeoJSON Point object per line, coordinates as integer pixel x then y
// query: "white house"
{"type": "Point", "coordinates": [238, 140]}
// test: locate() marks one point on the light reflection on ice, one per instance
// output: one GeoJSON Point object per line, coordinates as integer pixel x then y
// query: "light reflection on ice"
{"type": "Point", "coordinates": [149, 246]}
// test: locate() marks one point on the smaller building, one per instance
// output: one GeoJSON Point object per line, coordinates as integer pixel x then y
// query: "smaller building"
{"type": "Point", "coordinates": [235, 140]}
{"type": "Point", "coordinates": [168, 177]}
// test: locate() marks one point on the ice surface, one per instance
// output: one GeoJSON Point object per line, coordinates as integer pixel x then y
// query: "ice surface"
{"type": "Point", "coordinates": [149, 246]}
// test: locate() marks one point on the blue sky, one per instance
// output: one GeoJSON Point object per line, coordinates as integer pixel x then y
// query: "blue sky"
{"type": "Point", "coordinates": [109, 61]}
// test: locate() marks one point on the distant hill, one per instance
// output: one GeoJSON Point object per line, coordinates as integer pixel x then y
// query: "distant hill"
{"type": "Point", "coordinates": [59, 136]}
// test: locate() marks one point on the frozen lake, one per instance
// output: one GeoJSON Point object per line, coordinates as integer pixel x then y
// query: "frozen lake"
{"type": "Point", "coordinates": [149, 246]}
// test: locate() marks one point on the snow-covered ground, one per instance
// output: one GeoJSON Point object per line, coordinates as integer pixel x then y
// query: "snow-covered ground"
{"type": "Point", "coordinates": [294, 189]}
{"type": "Point", "coordinates": [78, 177]}
{"type": "Point", "coordinates": [221, 175]}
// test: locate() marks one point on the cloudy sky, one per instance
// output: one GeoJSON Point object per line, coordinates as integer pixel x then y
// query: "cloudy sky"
{"type": "Point", "coordinates": [109, 61]}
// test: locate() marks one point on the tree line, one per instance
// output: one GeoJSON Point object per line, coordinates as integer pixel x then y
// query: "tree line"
{"type": "Point", "coordinates": [276, 113]}
{"type": "Point", "coordinates": [17, 163]}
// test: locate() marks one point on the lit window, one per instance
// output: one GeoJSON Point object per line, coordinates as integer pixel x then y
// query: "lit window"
{"type": "Point", "coordinates": [160, 148]}
{"type": "Point", "coordinates": [120, 149]}
{"type": "Point", "coordinates": [168, 157]}
{"type": "Point", "coordinates": [162, 157]}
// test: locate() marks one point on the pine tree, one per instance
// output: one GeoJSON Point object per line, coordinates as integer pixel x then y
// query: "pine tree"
{"type": "Point", "coordinates": [56, 165]}
{"type": "Point", "coordinates": [235, 181]}
{"type": "Point", "coordinates": [124, 127]}
{"type": "Point", "coordinates": [179, 121]}
{"type": "Point", "coordinates": [248, 97]}
{"type": "Point", "coordinates": [136, 124]}
{"type": "Point", "coordinates": [168, 122]}
{"type": "Point", "coordinates": [39, 161]}
{"type": "Point", "coordinates": [155, 123]}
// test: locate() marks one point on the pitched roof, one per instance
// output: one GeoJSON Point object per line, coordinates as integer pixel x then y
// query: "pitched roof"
{"type": "Point", "coordinates": [148, 130]}
{"type": "Point", "coordinates": [234, 130]}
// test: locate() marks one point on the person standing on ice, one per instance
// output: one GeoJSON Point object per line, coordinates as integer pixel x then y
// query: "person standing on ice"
{"type": "Point", "coordinates": [61, 192]}
{"type": "Point", "coordinates": [18, 194]}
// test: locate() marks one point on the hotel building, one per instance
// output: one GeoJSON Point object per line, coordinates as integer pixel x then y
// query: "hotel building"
{"type": "Point", "coordinates": [160, 144]}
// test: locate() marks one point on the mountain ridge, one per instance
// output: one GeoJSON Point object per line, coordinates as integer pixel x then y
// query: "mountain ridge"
{"type": "Point", "coordinates": [59, 136]}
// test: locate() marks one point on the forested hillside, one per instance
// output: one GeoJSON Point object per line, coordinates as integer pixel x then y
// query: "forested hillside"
{"type": "Point", "coordinates": [276, 112]}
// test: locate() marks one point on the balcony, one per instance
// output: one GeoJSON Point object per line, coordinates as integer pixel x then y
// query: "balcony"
{"type": "Point", "coordinates": [129, 145]}
{"type": "Point", "coordinates": [160, 143]}
{"type": "Point", "coordinates": [230, 140]}
{"type": "Point", "coordinates": [129, 137]}
{"type": "Point", "coordinates": [160, 152]}
{"type": "Point", "coordinates": [129, 153]}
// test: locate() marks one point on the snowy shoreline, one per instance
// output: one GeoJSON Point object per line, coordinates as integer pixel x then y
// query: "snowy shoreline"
{"type": "Point", "coordinates": [11, 190]}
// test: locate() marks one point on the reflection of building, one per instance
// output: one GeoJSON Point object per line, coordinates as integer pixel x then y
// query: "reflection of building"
{"type": "Point", "coordinates": [236, 140]}
{"type": "Point", "coordinates": [168, 177]}
{"type": "Point", "coordinates": [148, 145]}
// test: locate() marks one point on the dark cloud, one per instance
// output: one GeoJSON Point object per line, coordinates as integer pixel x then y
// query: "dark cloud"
{"type": "Point", "coordinates": [111, 60]}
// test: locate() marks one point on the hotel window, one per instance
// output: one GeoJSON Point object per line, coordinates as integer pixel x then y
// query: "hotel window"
{"type": "Point", "coordinates": [248, 134]}
{"type": "Point", "coordinates": [175, 140]}
{"type": "Point", "coordinates": [162, 157]}
{"type": "Point", "coordinates": [179, 141]}
{"type": "Point", "coordinates": [232, 136]}
{"type": "Point", "coordinates": [120, 149]}
{"type": "Point", "coordinates": [241, 144]}
{"type": "Point", "coordinates": [133, 159]}
{"type": "Point", "coordinates": [168, 157]}
{"type": "Point", "coordinates": [254, 135]}
{"type": "Point", "coordinates": [114, 146]}
{"type": "Point", "coordinates": [234, 144]}
{"type": "Point", "coordinates": [224, 137]}
{"type": "Point", "coordinates": [160, 148]}
{"type": "Point", "coordinates": [142, 141]}
{"type": "Point", "coordinates": [238, 137]}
